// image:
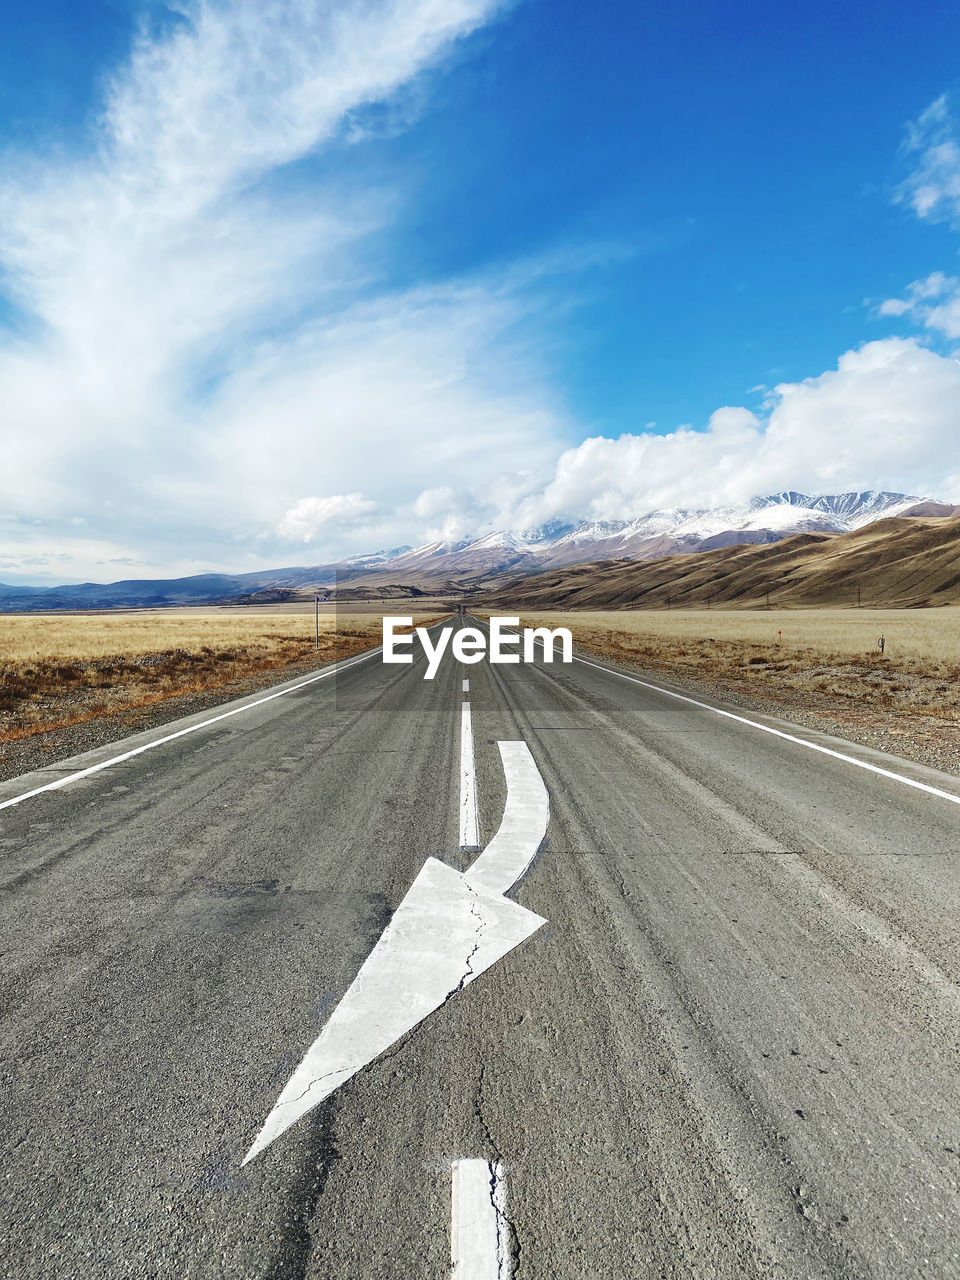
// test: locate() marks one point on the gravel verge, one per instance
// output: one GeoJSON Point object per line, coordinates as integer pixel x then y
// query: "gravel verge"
{"type": "Point", "coordinates": [928, 740]}
{"type": "Point", "coordinates": [23, 755]}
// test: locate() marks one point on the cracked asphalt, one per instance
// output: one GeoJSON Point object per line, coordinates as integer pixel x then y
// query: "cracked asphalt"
{"type": "Point", "coordinates": [732, 1051]}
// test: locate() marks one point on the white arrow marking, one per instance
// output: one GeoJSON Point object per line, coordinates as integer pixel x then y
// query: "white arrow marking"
{"type": "Point", "coordinates": [524, 824]}
{"type": "Point", "coordinates": [446, 932]}
{"type": "Point", "coordinates": [478, 1222]}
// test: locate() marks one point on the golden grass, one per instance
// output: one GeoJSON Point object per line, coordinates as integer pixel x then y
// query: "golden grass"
{"type": "Point", "coordinates": [924, 634]}
{"type": "Point", "coordinates": [62, 669]}
{"type": "Point", "coordinates": [831, 651]}
{"type": "Point", "coordinates": [83, 637]}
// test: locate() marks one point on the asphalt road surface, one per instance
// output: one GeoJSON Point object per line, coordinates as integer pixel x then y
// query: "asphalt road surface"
{"type": "Point", "coordinates": [731, 1051]}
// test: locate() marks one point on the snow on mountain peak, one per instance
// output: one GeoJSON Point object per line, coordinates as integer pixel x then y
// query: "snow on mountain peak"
{"type": "Point", "coordinates": [657, 533]}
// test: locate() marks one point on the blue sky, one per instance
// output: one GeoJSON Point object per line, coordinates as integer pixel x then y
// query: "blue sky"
{"type": "Point", "coordinates": [283, 281]}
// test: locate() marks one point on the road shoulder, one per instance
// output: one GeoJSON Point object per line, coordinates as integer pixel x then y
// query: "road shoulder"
{"type": "Point", "coordinates": [925, 740]}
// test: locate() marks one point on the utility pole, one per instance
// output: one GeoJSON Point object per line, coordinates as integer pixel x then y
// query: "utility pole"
{"type": "Point", "coordinates": [316, 606]}
{"type": "Point", "coordinates": [858, 595]}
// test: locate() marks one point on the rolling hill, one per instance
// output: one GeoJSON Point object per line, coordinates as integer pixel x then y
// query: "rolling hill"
{"type": "Point", "coordinates": [481, 563]}
{"type": "Point", "coordinates": [902, 562]}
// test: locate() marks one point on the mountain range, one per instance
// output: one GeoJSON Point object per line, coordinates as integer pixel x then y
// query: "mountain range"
{"type": "Point", "coordinates": [668, 531]}
{"type": "Point", "coordinates": [487, 561]}
{"type": "Point", "coordinates": [898, 562]}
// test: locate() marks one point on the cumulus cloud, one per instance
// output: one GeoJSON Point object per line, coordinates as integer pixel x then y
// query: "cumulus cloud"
{"type": "Point", "coordinates": [433, 502]}
{"type": "Point", "coordinates": [885, 417]}
{"type": "Point", "coordinates": [919, 292]}
{"type": "Point", "coordinates": [311, 517]}
{"type": "Point", "coordinates": [932, 190]}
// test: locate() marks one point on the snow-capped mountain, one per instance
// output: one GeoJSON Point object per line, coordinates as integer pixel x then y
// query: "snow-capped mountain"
{"type": "Point", "coordinates": [849, 510]}
{"type": "Point", "coordinates": [371, 558]}
{"type": "Point", "coordinates": [669, 531]}
{"type": "Point", "coordinates": [501, 553]}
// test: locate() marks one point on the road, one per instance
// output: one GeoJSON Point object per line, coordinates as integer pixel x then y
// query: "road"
{"type": "Point", "coordinates": [731, 1051]}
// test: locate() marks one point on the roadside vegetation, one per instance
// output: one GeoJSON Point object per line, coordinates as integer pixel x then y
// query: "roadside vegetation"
{"type": "Point", "coordinates": [832, 652]}
{"type": "Point", "coordinates": [58, 670]}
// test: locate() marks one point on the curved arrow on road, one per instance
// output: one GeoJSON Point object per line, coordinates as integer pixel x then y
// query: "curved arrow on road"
{"type": "Point", "coordinates": [449, 928]}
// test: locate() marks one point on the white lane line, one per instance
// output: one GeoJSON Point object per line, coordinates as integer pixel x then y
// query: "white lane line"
{"type": "Point", "coordinates": [778, 733]}
{"type": "Point", "coordinates": [525, 818]}
{"type": "Point", "coordinates": [466, 686]}
{"type": "Point", "coordinates": [446, 932]}
{"type": "Point", "coordinates": [182, 733]}
{"type": "Point", "coordinates": [479, 1247]}
{"type": "Point", "coordinates": [469, 830]}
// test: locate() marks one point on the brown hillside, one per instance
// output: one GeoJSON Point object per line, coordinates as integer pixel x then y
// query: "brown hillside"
{"type": "Point", "coordinates": [932, 509]}
{"type": "Point", "coordinates": [896, 563]}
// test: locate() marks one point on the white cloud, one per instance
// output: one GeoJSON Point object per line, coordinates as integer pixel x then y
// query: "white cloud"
{"type": "Point", "coordinates": [34, 552]}
{"type": "Point", "coordinates": [918, 303]}
{"type": "Point", "coordinates": [885, 417]}
{"type": "Point", "coordinates": [934, 286]}
{"type": "Point", "coordinates": [206, 337]}
{"type": "Point", "coordinates": [194, 353]}
{"type": "Point", "coordinates": [412, 390]}
{"type": "Point", "coordinates": [311, 517]}
{"type": "Point", "coordinates": [933, 187]}
{"type": "Point", "coordinates": [433, 502]}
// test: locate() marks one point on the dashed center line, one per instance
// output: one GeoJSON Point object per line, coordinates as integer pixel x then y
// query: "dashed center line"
{"type": "Point", "coordinates": [469, 826]}
{"type": "Point", "coordinates": [479, 1247]}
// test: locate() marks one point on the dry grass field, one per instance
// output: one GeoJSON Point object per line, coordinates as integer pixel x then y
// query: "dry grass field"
{"type": "Point", "coordinates": [830, 651]}
{"type": "Point", "coordinates": [62, 669]}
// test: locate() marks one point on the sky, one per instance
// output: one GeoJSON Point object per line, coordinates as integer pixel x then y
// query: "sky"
{"type": "Point", "coordinates": [286, 280]}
